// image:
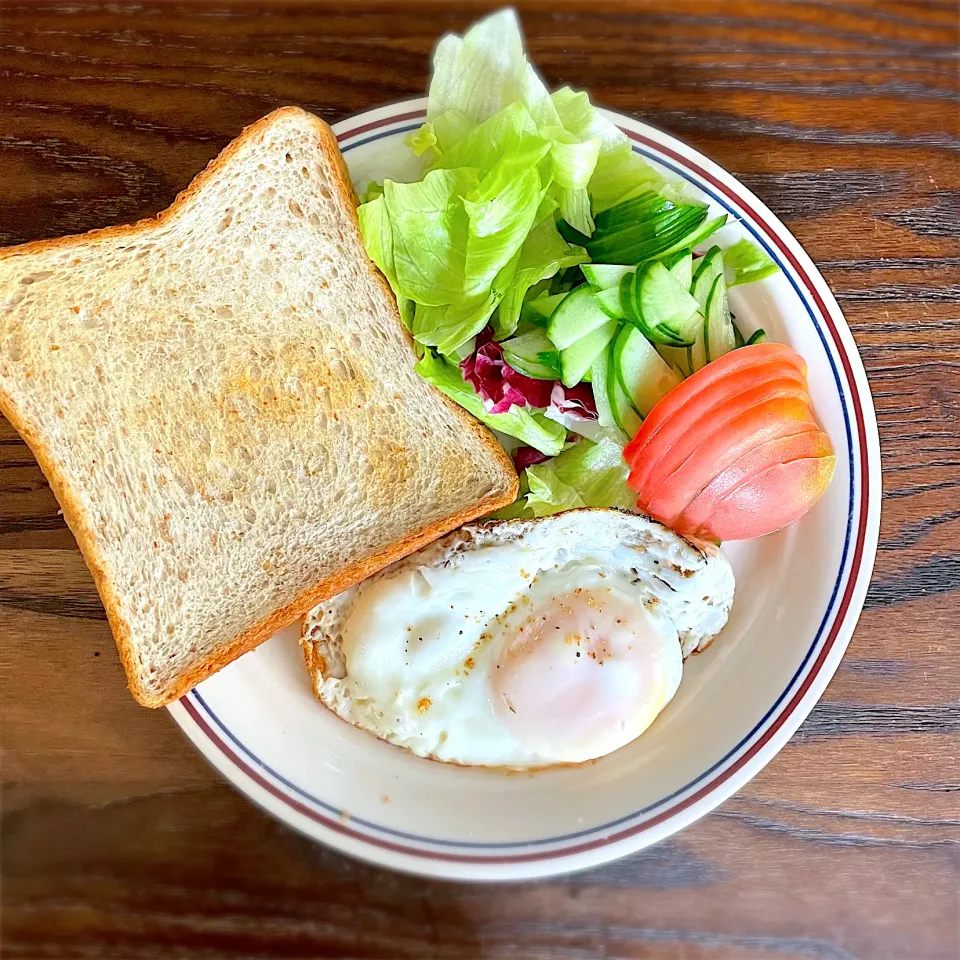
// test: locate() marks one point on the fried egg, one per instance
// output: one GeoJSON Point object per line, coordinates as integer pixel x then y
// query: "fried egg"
{"type": "Point", "coordinates": [521, 643]}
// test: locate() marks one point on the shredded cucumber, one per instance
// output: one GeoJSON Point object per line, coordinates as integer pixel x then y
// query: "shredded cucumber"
{"type": "Point", "coordinates": [640, 229]}
{"type": "Point", "coordinates": [604, 275]}
{"type": "Point", "coordinates": [644, 375]}
{"type": "Point", "coordinates": [718, 335]}
{"type": "Point", "coordinates": [577, 315]}
{"type": "Point", "coordinates": [577, 359]}
{"type": "Point", "coordinates": [533, 355]}
{"type": "Point", "coordinates": [622, 410]}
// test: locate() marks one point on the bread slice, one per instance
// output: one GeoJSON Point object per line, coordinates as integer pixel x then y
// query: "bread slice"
{"type": "Point", "coordinates": [224, 402]}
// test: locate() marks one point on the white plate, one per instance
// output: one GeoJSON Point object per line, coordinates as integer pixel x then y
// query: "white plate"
{"type": "Point", "coordinates": [799, 593]}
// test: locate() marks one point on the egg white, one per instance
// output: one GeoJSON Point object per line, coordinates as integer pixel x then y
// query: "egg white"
{"type": "Point", "coordinates": [417, 644]}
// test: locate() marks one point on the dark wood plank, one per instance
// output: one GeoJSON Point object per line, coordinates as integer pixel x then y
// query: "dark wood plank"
{"type": "Point", "coordinates": [118, 841]}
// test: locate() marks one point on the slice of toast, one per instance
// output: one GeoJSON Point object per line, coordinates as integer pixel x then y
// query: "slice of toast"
{"type": "Point", "coordinates": [224, 402]}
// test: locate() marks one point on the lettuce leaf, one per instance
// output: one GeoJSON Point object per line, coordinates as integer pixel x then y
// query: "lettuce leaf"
{"type": "Point", "coordinates": [587, 475]}
{"type": "Point", "coordinates": [621, 175]}
{"type": "Point", "coordinates": [423, 139]}
{"type": "Point", "coordinates": [509, 131]}
{"type": "Point", "coordinates": [526, 425]}
{"type": "Point", "coordinates": [501, 213]}
{"type": "Point", "coordinates": [378, 236]}
{"type": "Point", "coordinates": [377, 233]}
{"type": "Point", "coordinates": [748, 263]}
{"type": "Point", "coordinates": [578, 115]}
{"type": "Point", "coordinates": [548, 493]}
{"type": "Point", "coordinates": [574, 161]}
{"type": "Point", "coordinates": [486, 69]}
{"type": "Point", "coordinates": [449, 327]}
{"type": "Point", "coordinates": [373, 191]}
{"type": "Point", "coordinates": [429, 228]}
{"type": "Point", "coordinates": [503, 160]}
{"type": "Point", "coordinates": [542, 255]}
{"type": "Point", "coordinates": [449, 128]}
{"type": "Point", "coordinates": [618, 171]}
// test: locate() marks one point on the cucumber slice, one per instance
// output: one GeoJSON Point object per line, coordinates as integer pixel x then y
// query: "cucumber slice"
{"type": "Point", "coordinates": [668, 312]}
{"type": "Point", "coordinates": [576, 359]}
{"type": "Point", "coordinates": [758, 336]}
{"type": "Point", "coordinates": [578, 315]}
{"type": "Point", "coordinates": [545, 306]}
{"type": "Point", "coordinates": [718, 327]}
{"type": "Point", "coordinates": [610, 302]}
{"type": "Point", "coordinates": [680, 266]}
{"type": "Point", "coordinates": [697, 353]}
{"type": "Point", "coordinates": [642, 372]}
{"type": "Point", "coordinates": [708, 269]}
{"type": "Point", "coordinates": [738, 337]}
{"type": "Point", "coordinates": [677, 357]}
{"type": "Point", "coordinates": [641, 228]}
{"type": "Point", "coordinates": [630, 304]}
{"type": "Point", "coordinates": [701, 233]}
{"type": "Point", "coordinates": [604, 275]}
{"type": "Point", "coordinates": [601, 397]}
{"type": "Point", "coordinates": [624, 416]}
{"type": "Point", "coordinates": [533, 355]}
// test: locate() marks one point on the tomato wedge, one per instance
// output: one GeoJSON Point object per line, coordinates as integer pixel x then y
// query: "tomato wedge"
{"type": "Point", "coordinates": [770, 500]}
{"type": "Point", "coordinates": [758, 355]}
{"type": "Point", "coordinates": [734, 451]}
{"type": "Point", "coordinates": [690, 434]}
{"type": "Point", "coordinates": [808, 443]}
{"type": "Point", "coordinates": [756, 424]}
{"type": "Point", "coordinates": [686, 427]}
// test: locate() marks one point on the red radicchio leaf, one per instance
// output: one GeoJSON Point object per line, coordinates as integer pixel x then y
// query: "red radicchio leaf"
{"type": "Point", "coordinates": [524, 457]}
{"type": "Point", "coordinates": [536, 392]}
{"type": "Point", "coordinates": [576, 401]}
{"type": "Point", "coordinates": [499, 385]}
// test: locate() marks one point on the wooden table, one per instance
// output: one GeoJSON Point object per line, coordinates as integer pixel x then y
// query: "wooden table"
{"type": "Point", "coordinates": [118, 840]}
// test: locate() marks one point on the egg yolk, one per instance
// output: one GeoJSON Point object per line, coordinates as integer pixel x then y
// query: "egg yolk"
{"type": "Point", "coordinates": [585, 675]}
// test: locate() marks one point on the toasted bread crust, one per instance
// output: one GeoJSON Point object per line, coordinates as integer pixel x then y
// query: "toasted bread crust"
{"type": "Point", "coordinates": [74, 513]}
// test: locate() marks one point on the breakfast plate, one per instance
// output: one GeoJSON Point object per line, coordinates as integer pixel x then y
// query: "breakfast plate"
{"type": "Point", "coordinates": [799, 593]}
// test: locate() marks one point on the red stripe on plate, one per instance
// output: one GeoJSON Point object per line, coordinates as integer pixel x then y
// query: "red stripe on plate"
{"type": "Point", "coordinates": [374, 124]}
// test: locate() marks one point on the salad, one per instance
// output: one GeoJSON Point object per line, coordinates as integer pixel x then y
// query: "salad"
{"type": "Point", "coordinates": [559, 289]}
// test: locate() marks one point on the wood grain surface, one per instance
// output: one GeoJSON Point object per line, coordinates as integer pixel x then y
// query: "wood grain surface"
{"type": "Point", "coordinates": [119, 842]}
